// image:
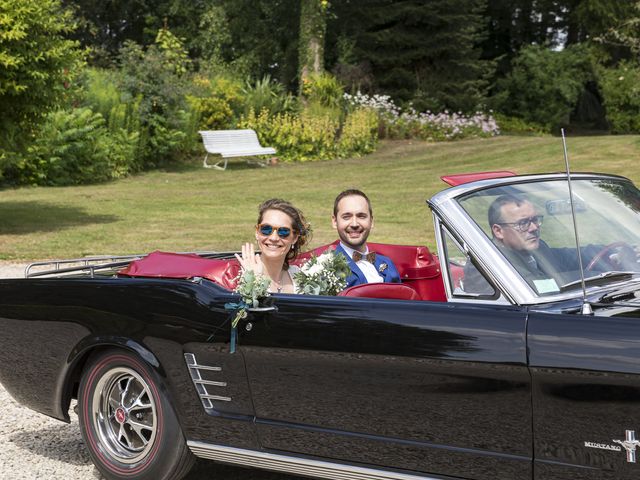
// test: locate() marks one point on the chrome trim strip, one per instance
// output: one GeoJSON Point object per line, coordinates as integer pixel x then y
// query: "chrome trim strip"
{"type": "Point", "coordinates": [450, 193]}
{"type": "Point", "coordinates": [211, 382]}
{"type": "Point", "coordinates": [439, 227]}
{"type": "Point", "coordinates": [200, 383]}
{"type": "Point", "coordinates": [205, 367]}
{"type": "Point", "coordinates": [91, 264]}
{"type": "Point", "coordinates": [216, 397]}
{"type": "Point", "coordinates": [294, 465]}
{"type": "Point", "coordinates": [503, 273]}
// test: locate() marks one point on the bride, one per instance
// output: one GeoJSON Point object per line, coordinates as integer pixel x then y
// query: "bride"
{"type": "Point", "coordinates": [281, 233]}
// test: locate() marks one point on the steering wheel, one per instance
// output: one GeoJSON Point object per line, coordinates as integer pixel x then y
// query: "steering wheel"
{"type": "Point", "coordinates": [625, 250]}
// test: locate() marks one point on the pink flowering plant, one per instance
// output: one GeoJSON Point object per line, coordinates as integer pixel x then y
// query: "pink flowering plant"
{"type": "Point", "coordinates": [408, 123]}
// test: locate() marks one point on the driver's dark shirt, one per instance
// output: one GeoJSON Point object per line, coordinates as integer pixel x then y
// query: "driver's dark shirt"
{"type": "Point", "coordinates": [560, 264]}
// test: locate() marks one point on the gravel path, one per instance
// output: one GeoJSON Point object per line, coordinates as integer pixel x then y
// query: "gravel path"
{"type": "Point", "coordinates": [34, 446]}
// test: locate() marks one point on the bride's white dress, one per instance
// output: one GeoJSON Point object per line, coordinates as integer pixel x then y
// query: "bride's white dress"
{"type": "Point", "coordinates": [293, 269]}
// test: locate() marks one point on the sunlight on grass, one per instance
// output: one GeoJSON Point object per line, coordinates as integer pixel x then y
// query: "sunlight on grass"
{"type": "Point", "coordinates": [192, 208]}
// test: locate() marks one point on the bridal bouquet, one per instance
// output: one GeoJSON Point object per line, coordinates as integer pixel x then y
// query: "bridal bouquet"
{"type": "Point", "coordinates": [323, 275]}
{"type": "Point", "coordinates": [252, 288]}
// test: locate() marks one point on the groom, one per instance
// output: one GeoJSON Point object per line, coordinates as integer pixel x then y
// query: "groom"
{"type": "Point", "coordinates": [353, 219]}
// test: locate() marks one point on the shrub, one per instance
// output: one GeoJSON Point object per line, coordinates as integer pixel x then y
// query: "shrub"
{"type": "Point", "coordinates": [267, 94]}
{"type": "Point", "coordinates": [102, 95]}
{"type": "Point", "coordinates": [213, 113]}
{"type": "Point", "coordinates": [544, 85]}
{"type": "Point", "coordinates": [38, 60]}
{"type": "Point", "coordinates": [620, 88]}
{"type": "Point", "coordinates": [324, 89]}
{"type": "Point", "coordinates": [216, 101]}
{"type": "Point", "coordinates": [153, 80]}
{"type": "Point", "coordinates": [308, 136]}
{"type": "Point", "coordinates": [359, 133]}
{"type": "Point", "coordinates": [74, 147]}
{"type": "Point", "coordinates": [517, 126]}
{"type": "Point", "coordinates": [294, 137]}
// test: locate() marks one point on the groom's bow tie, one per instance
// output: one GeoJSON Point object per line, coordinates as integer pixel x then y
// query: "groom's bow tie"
{"type": "Point", "coordinates": [369, 257]}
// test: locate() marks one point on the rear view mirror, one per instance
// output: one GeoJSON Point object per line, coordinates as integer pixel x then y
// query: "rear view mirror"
{"type": "Point", "coordinates": [563, 206]}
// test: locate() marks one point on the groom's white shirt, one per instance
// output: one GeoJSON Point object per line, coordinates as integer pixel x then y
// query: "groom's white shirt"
{"type": "Point", "coordinates": [368, 269]}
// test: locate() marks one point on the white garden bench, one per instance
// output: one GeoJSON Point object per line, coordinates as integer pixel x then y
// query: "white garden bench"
{"type": "Point", "coordinates": [232, 143]}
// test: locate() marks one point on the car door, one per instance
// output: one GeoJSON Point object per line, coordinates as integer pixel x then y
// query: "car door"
{"type": "Point", "coordinates": [585, 392]}
{"type": "Point", "coordinates": [422, 386]}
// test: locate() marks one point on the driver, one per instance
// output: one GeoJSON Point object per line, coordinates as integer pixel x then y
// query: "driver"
{"type": "Point", "coordinates": [515, 226]}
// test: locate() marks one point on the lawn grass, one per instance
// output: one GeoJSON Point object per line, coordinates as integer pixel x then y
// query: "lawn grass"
{"type": "Point", "coordinates": [192, 208]}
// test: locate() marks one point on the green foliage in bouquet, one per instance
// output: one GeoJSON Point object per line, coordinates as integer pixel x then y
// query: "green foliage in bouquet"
{"type": "Point", "coordinates": [323, 275]}
{"type": "Point", "coordinates": [252, 288]}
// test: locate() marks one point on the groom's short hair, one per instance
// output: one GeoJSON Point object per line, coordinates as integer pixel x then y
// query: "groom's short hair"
{"type": "Point", "coordinates": [348, 193]}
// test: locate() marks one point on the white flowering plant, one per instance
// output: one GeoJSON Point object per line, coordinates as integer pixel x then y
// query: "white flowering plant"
{"type": "Point", "coordinates": [323, 275]}
{"type": "Point", "coordinates": [408, 123]}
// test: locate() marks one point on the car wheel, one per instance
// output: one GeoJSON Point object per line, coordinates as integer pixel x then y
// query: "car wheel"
{"type": "Point", "coordinates": [127, 421]}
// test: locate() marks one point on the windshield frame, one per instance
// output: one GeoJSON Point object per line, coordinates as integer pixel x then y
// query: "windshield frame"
{"type": "Point", "coordinates": [447, 207]}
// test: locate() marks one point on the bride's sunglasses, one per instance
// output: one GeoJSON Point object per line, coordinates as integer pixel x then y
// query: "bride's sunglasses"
{"type": "Point", "coordinates": [266, 230]}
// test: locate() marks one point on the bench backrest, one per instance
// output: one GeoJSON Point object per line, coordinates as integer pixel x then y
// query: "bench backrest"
{"type": "Point", "coordinates": [229, 139]}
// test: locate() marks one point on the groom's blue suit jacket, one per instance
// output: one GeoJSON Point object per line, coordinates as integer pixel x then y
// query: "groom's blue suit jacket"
{"type": "Point", "coordinates": [389, 272]}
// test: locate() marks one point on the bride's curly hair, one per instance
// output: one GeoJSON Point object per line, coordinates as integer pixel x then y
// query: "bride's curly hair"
{"type": "Point", "coordinates": [300, 224]}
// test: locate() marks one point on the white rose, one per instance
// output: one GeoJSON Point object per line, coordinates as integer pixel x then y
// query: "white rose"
{"type": "Point", "coordinates": [317, 268]}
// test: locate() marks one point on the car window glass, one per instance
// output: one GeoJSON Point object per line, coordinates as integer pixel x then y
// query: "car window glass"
{"type": "Point", "coordinates": [464, 277]}
{"type": "Point", "coordinates": [608, 219]}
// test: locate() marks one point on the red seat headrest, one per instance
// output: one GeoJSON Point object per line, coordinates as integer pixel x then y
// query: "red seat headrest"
{"type": "Point", "coordinates": [185, 265]}
{"type": "Point", "coordinates": [396, 291]}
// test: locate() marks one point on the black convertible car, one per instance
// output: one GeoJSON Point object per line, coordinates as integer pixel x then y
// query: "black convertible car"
{"type": "Point", "coordinates": [473, 368]}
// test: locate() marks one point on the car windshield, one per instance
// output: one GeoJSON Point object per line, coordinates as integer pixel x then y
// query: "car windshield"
{"type": "Point", "coordinates": [532, 226]}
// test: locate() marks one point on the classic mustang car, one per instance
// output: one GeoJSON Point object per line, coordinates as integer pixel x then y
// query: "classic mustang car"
{"type": "Point", "coordinates": [492, 360]}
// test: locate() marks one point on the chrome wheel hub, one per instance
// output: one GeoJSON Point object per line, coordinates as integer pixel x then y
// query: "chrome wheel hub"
{"type": "Point", "coordinates": [124, 415]}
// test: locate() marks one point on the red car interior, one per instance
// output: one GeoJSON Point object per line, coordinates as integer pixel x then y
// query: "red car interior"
{"type": "Point", "coordinates": [419, 270]}
{"type": "Point", "coordinates": [381, 290]}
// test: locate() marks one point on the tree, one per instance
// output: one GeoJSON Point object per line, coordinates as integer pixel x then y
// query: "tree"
{"type": "Point", "coordinates": [626, 32]}
{"type": "Point", "coordinates": [425, 51]}
{"type": "Point", "coordinates": [260, 37]}
{"type": "Point", "coordinates": [514, 24]}
{"type": "Point", "coordinates": [313, 27]}
{"type": "Point", "coordinates": [38, 62]}
{"type": "Point", "coordinates": [544, 85]}
{"type": "Point", "coordinates": [105, 26]}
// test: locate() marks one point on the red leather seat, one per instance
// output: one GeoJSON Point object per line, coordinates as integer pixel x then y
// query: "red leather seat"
{"type": "Point", "coordinates": [417, 266]}
{"type": "Point", "coordinates": [381, 290]}
{"type": "Point", "coordinates": [185, 265]}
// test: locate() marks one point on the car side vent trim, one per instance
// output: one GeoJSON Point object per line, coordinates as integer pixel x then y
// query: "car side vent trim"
{"type": "Point", "coordinates": [203, 386]}
{"type": "Point", "coordinates": [294, 465]}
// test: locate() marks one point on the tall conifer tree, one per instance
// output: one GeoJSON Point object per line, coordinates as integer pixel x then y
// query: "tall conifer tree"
{"type": "Point", "coordinates": [425, 51]}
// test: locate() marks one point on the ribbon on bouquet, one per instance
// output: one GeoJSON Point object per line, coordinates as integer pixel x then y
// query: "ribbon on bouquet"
{"type": "Point", "coordinates": [240, 309]}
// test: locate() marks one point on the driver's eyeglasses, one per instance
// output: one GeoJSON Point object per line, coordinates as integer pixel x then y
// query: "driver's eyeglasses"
{"type": "Point", "coordinates": [266, 230]}
{"type": "Point", "coordinates": [524, 224]}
